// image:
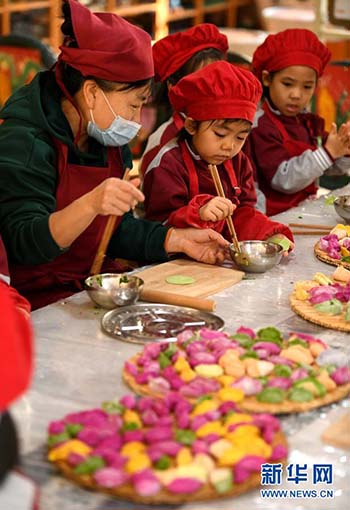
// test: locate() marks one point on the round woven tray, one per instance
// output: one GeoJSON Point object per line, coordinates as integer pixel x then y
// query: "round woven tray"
{"type": "Point", "coordinates": [251, 404]}
{"type": "Point", "coordinates": [322, 255]}
{"type": "Point", "coordinates": [127, 493]}
{"type": "Point", "coordinates": [308, 312]}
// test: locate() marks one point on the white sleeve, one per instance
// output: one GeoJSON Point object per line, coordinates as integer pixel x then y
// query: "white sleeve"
{"type": "Point", "coordinates": [5, 278]}
{"type": "Point", "coordinates": [341, 166]}
{"type": "Point", "coordinates": [260, 200]}
{"type": "Point", "coordinates": [298, 172]}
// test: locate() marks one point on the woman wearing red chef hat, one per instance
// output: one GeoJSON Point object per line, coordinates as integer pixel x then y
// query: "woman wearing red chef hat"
{"type": "Point", "coordinates": [176, 56]}
{"type": "Point", "coordinates": [219, 103]}
{"type": "Point", "coordinates": [289, 146]}
{"type": "Point", "coordinates": [16, 491]}
{"type": "Point", "coordinates": [61, 165]}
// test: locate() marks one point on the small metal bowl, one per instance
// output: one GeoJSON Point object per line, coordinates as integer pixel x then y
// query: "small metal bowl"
{"type": "Point", "coordinates": [256, 256]}
{"type": "Point", "coordinates": [342, 207]}
{"type": "Point", "coordinates": [110, 290]}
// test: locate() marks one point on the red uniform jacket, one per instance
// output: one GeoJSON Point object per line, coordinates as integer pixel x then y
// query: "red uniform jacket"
{"type": "Point", "coordinates": [277, 138]}
{"type": "Point", "coordinates": [15, 340]}
{"type": "Point", "coordinates": [15, 345]}
{"type": "Point", "coordinates": [174, 194]}
{"type": "Point", "coordinates": [166, 132]}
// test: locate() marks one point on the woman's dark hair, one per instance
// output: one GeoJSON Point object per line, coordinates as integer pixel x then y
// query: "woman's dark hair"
{"type": "Point", "coordinates": [8, 445]}
{"type": "Point", "coordinates": [206, 56]}
{"type": "Point", "coordinates": [73, 79]}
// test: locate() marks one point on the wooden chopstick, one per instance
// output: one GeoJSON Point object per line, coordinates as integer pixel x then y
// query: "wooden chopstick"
{"type": "Point", "coordinates": [102, 247]}
{"type": "Point", "coordinates": [310, 232]}
{"type": "Point", "coordinates": [310, 225]}
{"type": "Point", "coordinates": [106, 237]}
{"type": "Point", "coordinates": [220, 191]}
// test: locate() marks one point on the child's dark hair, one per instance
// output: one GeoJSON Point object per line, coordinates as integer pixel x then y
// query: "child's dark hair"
{"type": "Point", "coordinates": [185, 135]}
{"type": "Point", "coordinates": [73, 79]}
{"type": "Point", "coordinates": [266, 90]}
{"type": "Point", "coordinates": [206, 56]}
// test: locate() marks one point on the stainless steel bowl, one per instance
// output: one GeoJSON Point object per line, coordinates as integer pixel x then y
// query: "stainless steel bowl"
{"type": "Point", "coordinates": [342, 207]}
{"type": "Point", "coordinates": [110, 290]}
{"type": "Point", "coordinates": [256, 256]}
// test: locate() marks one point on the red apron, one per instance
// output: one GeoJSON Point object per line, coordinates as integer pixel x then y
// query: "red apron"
{"type": "Point", "coordinates": [46, 283]}
{"type": "Point", "coordinates": [277, 202]}
{"type": "Point", "coordinates": [232, 191]}
{"type": "Point", "coordinates": [193, 176]}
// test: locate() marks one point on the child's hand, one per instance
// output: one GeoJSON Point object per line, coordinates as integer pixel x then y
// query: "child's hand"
{"type": "Point", "coordinates": [338, 143]}
{"type": "Point", "coordinates": [216, 209]}
{"type": "Point", "coordinates": [283, 241]}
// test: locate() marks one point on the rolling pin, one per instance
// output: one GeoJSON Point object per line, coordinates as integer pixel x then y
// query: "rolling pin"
{"type": "Point", "coordinates": [157, 296]}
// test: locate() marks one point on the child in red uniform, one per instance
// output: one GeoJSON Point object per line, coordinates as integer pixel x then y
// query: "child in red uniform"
{"type": "Point", "coordinates": [176, 56]}
{"type": "Point", "coordinates": [219, 103]}
{"type": "Point", "coordinates": [289, 146]}
{"type": "Point", "coordinates": [15, 369]}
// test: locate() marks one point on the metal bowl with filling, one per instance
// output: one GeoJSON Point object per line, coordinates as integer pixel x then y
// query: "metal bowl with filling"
{"type": "Point", "coordinates": [342, 207]}
{"type": "Point", "coordinates": [110, 290]}
{"type": "Point", "coordinates": [256, 256]}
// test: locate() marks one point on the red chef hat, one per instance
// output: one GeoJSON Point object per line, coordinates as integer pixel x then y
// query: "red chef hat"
{"type": "Point", "coordinates": [218, 91]}
{"type": "Point", "coordinates": [171, 52]}
{"type": "Point", "coordinates": [109, 47]}
{"type": "Point", "coordinates": [292, 47]}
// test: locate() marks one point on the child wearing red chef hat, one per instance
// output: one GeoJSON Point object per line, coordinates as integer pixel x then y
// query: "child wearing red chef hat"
{"type": "Point", "coordinates": [219, 103]}
{"type": "Point", "coordinates": [16, 491]}
{"type": "Point", "coordinates": [176, 56]}
{"type": "Point", "coordinates": [288, 145]}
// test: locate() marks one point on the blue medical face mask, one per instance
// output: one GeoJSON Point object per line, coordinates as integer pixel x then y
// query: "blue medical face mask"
{"type": "Point", "coordinates": [120, 132]}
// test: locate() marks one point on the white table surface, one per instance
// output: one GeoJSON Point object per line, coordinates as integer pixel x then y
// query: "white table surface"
{"type": "Point", "coordinates": [78, 367]}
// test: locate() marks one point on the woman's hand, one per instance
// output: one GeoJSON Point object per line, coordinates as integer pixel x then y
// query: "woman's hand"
{"type": "Point", "coordinates": [114, 196]}
{"type": "Point", "coordinates": [216, 209]}
{"type": "Point", "coordinates": [338, 142]}
{"type": "Point", "coordinates": [204, 245]}
{"type": "Point", "coordinates": [111, 197]}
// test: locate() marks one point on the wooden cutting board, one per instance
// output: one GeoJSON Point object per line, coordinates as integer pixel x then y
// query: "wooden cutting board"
{"type": "Point", "coordinates": [209, 279]}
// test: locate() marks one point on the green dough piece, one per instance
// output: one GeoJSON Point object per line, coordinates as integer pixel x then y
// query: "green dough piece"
{"type": "Point", "coordinates": [300, 395]}
{"type": "Point", "coordinates": [185, 436]}
{"type": "Point", "coordinates": [331, 307]}
{"type": "Point", "coordinates": [347, 312]}
{"type": "Point", "coordinates": [272, 395]}
{"type": "Point", "coordinates": [285, 243]}
{"type": "Point", "coordinates": [90, 465]}
{"type": "Point", "coordinates": [180, 279]}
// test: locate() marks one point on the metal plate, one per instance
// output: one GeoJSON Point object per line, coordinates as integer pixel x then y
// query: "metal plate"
{"type": "Point", "coordinates": [141, 324]}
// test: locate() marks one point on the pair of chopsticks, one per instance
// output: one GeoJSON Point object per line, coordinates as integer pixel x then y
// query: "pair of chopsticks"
{"type": "Point", "coordinates": [106, 237]}
{"type": "Point", "coordinates": [309, 229]}
{"type": "Point", "coordinates": [220, 192]}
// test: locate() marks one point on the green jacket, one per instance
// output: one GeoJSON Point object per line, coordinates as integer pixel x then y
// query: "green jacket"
{"type": "Point", "coordinates": [28, 180]}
